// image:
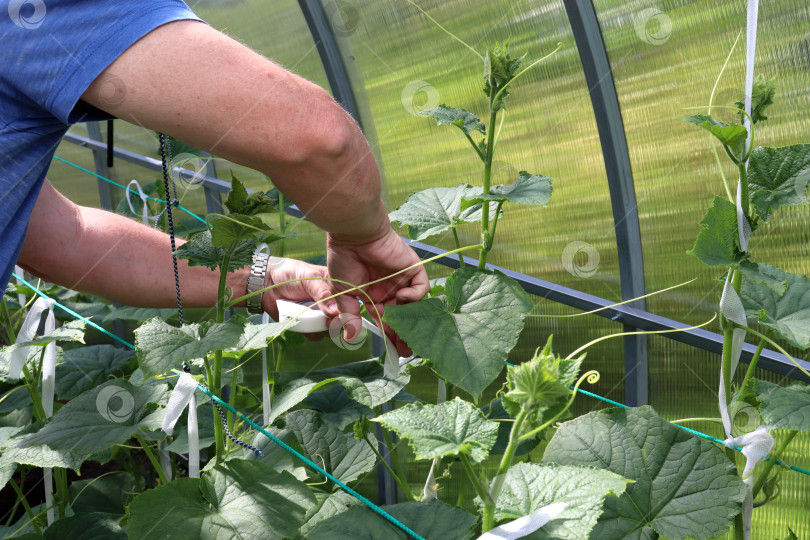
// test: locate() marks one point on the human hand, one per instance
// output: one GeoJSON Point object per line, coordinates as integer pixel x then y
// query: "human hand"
{"type": "Point", "coordinates": [359, 263]}
{"type": "Point", "coordinates": [312, 287]}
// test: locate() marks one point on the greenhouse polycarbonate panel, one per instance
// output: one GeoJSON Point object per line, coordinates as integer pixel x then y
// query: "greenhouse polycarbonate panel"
{"type": "Point", "coordinates": [667, 56]}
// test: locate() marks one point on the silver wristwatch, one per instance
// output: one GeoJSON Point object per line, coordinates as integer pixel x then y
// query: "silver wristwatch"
{"type": "Point", "coordinates": [256, 279]}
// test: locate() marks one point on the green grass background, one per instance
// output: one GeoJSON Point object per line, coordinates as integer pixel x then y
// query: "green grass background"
{"type": "Point", "coordinates": [549, 129]}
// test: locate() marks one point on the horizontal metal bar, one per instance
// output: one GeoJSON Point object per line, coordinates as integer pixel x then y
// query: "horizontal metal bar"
{"type": "Point", "coordinates": [213, 183]}
{"type": "Point", "coordinates": [643, 320]}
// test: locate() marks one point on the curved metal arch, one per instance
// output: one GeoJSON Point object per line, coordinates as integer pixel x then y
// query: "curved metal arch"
{"type": "Point", "coordinates": [606, 110]}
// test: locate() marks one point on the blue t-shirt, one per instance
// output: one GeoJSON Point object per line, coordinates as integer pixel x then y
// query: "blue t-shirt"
{"type": "Point", "coordinates": [52, 51]}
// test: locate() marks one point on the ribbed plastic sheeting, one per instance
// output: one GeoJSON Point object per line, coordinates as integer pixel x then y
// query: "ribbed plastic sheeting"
{"type": "Point", "coordinates": [666, 56]}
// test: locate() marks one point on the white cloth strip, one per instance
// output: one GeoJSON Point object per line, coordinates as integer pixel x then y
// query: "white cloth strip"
{"type": "Point", "coordinates": [743, 227]}
{"type": "Point", "coordinates": [27, 332]}
{"type": "Point", "coordinates": [265, 380]}
{"type": "Point", "coordinates": [183, 396]}
{"type": "Point", "coordinates": [755, 447]}
{"type": "Point", "coordinates": [21, 299]}
{"type": "Point", "coordinates": [392, 358]}
{"type": "Point", "coordinates": [525, 525]}
{"type": "Point", "coordinates": [750, 55]}
{"type": "Point", "coordinates": [145, 217]}
{"type": "Point", "coordinates": [732, 309]}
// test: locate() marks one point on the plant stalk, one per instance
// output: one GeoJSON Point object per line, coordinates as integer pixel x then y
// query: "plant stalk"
{"type": "Point", "coordinates": [749, 374]}
{"type": "Point", "coordinates": [216, 375]}
{"type": "Point", "coordinates": [402, 483]}
{"type": "Point", "coordinates": [506, 462]}
{"type": "Point", "coordinates": [395, 459]}
{"type": "Point", "coordinates": [458, 246]}
{"type": "Point", "coordinates": [488, 520]}
{"type": "Point", "coordinates": [766, 468]}
{"type": "Point", "coordinates": [24, 501]}
{"type": "Point", "coordinates": [150, 453]}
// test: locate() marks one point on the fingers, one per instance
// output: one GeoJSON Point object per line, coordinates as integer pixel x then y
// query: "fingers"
{"type": "Point", "coordinates": [349, 314]}
{"type": "Point", "coordinates": [417, 289]}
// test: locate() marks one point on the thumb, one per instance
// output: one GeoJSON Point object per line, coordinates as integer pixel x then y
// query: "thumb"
{"type": "Point", "coordinates": [349, 309]}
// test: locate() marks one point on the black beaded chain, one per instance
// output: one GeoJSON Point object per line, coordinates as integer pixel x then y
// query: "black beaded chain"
{"type": "Point", "coordinates": [165, 148]}
{"type": "Point", "coordinates": [250, 447]}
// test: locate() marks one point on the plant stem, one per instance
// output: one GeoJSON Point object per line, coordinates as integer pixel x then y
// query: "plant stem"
{"type": "Point", "coordinates": [766, 468]}
{"type": "Point", "coordinates": [150, 453]}
{"type": "Point", "coordinates": [489, 505]}
{"type": "Point", "coordinates": [60, 477]}
{"type": "Point", "coordinates": [24, 501]}
{"type": "Point", "coordinates": [458, 246]}
{"type": "Point", "coordinates": [6, 317]}
{"type": "Point", "coordinates": [402, 483]}
{"type": "Point", "coordinates": [744, 189]}
{"type": "Point", "coordinates": [506, 462]}
{"type": "Point", "coordinates": [400, 473]}
{"type": "Point", "coordinates": [486, 241]}
{"type": "Point", "coordinates": [475, 147]}
{"type": "Point", "coordinates": [749, 374]}
{"type": "Point", "coordinates": [32, 386]}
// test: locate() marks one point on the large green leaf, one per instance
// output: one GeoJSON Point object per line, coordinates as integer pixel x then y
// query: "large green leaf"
{"type": "Point", "coordinates": [784, 407]}
{"type": "Point", "coordinates": [758, 273]}
{"type": "Point", "coordinates": [339, 453]}
{"type": "Point", "coordinates": [778, 177]}
{"type": "Point", "coordinates": [337, 407]}
{"type": "Point", "coordinates": [238, 228]}
{"type": "Point", "coordinates": [274, 455]}
{"type": "Point", "coordinates": [102, 417]}
{"type": "Point", "coordinates": [762, 94]}
{"type": "Point", "coordinates": [448, 429]}
{"type": "Point", "coordinates": [15, 450]}
{"type": "Point", "coordinates": [237, 499]}
{"type": "Point", "coordinates": [431, 520]}
{"type": "Point", "coordinates": [532, 189]}
{"type": "Point", "coordinates": [468, 332]}
{"type": "Point", "coordinates": [200, 252]}
{"type": "Point", "coordinates": [105, 494]}
{"type": "Point", "coordinates": [138, 313]}
{"type": "Point", "coordinates": [364, 381]}
{"type": "Point", "coordinates": [788, 314]}
{"type": "Point", "coordinates": [294, 395]}
{"type": "Point", "coordinates": [87, 367]}
{"type": "Point", "coordinates": [162, 346]}
{"type": "Point", "coordinates": [87, 526]}
{"type": "Point", "coordinates": [717, 243]}
{"type": "Point", "coordinates": [731, 135]}
{"type": "Point", "coordinates": [464, 120]}
{"type": "Point", "coordinates": [527, 487]}
{"type": "Point", "coordinates": [7, 466]}
{"type": "Point", "coordinates": [255, 336]}
{"type": "Point", "coordinates": [436, 210]}
{"type": "Point", "coordinates": [329, 505]}
{"type": "Point", "coordinates": [70, 331]}
{"type": "Point", "coordinates": [684, 485]}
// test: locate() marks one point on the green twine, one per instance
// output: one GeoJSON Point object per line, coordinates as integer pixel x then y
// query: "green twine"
{"type": "Point", "coordinates": [113, 182]}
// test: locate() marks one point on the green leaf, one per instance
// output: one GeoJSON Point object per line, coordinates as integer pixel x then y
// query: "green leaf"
{"type": "Point", "coordinates": [130, 313]}
{"type": "Point", "coordinates": [684, 485]}
{"type": "Point", "coordinates": [200, 252]}
{"type": "Point", "coordinates": [499, 68]}
{"type": "Point", "coordinates": [539, 383]}
{"type": "Point", "coordinates": [14, 450]}
{"type": "Point", "coordinates": [70, 331]}
{"type": "Point", "coordinates": [448, 429]}
{"type": "Point", "coordinates": [274, 455]}
{"type": "Point", "coordinates": [205, 426]}
{"type": "Point", "coordinates": [778, 177]}
{"type": "Point", "coordinates": [339, 453]}
{"type": "Point", "coordinates": [105, 494]}
{"type": "Point", "coordinates": [237, 499]}
{"type": "Point", "coordinates": [787, 314]}
{"type": "Point", "coordinates": [162, 347]}
{"type": "Point", "coordinates": [236, 196]}
{"type": "Point", "coordinates": [757, 273]}
{"type": "Point", "coordinates": [532, 189]}
{"type": "Point", "coordinates": [329, 505]}
{"type": "Point", "coordinates": [102, 417]}
{"type": "Point", "coordinates": [784, 407]}
{"type": "Point", "coordinates": [717, 243]}
{"type": "Point", "coordinates": [464, 120]}
{"type": "Point", "coordinates": [791, 535]}
{"type": "Point", "coordinates": [761, 98]}
{"type": "Point", "coordinates": [731, 135]}
{"type": "Point", "coordinates": [364, 381]}
{"type": "Point", "coordinates": [337, 407]}
{"type": "Point", "coordinates": [528, 487]}
{"type": "Point", "coordinates": [90, 526]}
{"type": "Point", "coordinates": [436, 210]}
{"type": "Point", "coordinates": [7, 466]}
{"type": "Point", "coordinates": [429, 520]}
{"type": "Point", "coordinates": [469, 332]}
{"type": "Point", "coordinates": [292, 396]}
{"type": "Point", "coordinates": [236, 228]}
{"type": "Point", "coordinates": [87, 367]}
{"type": "Point", "coordinates": [256, 336]}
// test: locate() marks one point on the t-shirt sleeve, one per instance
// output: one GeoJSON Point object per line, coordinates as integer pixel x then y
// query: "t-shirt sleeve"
{"type": "Point", "coordinates": [86, 36]}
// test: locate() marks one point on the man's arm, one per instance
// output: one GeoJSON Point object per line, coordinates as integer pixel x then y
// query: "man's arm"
{"type": "Point", "coordinates": [192, 82]}
{"type": "Point", "coordinates": [115, 257]}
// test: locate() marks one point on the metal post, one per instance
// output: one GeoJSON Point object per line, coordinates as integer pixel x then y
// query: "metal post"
{"type": "Point", "coordinates": [595, 63]}
{"type": "Point", "coordinates": [386, 486]}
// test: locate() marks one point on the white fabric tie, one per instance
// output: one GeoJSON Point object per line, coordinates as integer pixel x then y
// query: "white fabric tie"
{"type": "Point", "coordinates": [18, 357]}
{"type": "Point", "coordinates": [265, 380]}
{"type": "Point", "coordinates": [182, 397]}
{"type": "Point", "coordinates": [392, 358]}
{"type": "Point", "coordinates": [20, 296]}
{"type": "Point", "coordinates": [526, 525]}
{"type": "Point", "coordinates": [755, 447]}
{"type": "Point", "coordinates": [145, 217]}
{"type": "Point", "coordinates": [732, 309]}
